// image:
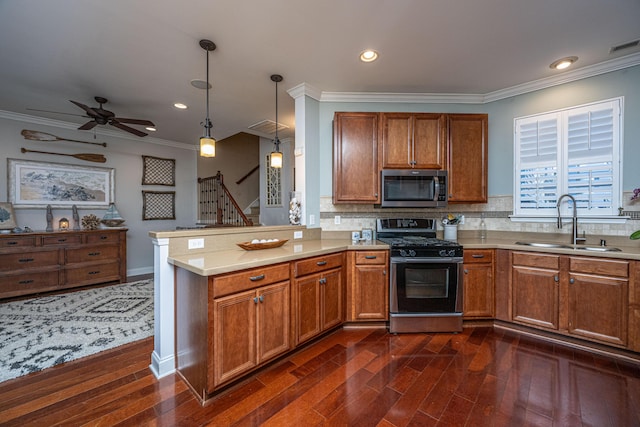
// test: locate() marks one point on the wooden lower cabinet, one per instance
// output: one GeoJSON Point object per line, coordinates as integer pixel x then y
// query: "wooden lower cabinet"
{"type": "Point", "coordinates": [249, 329]}
{"type": "Point", "coordinates": [368, 290]}
{"type": "Point", "coordinates": [478, 284]}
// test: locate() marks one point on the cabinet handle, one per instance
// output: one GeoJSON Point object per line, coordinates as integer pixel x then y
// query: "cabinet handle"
{"type": "Point", "coordinates": [466, 271]}
{"type": "Point", "coordinates": [25, 260]}
{"type": "Point", "coordinates": [25, 282]}
{"type": "Point", "coordinates": [370, 257]}
{"type": "Point", "coordinates": [256, 278]}
{"type": "Point", "coordinates": [321, 263]}
{"type": "Point", "coordinates": [91, 273]}
{"type": "Point", "coordinates": [384, 272]}
{"type": "Point", "coordinates": [12, 243]}
{"type": "Point", "coordinates": [62, 240]}
{"type": "Point", "coordinates": [572, 280]}
{"type": "Point", "coordinates": [556, 278]}
{"type": "Point", "coordinates": [103, 237]}
{"type": "Point", "coordinates": [261, 298]}
{"type": "Point", "coordinates": [94, 253]}
{"type": "Point", "coordinates": [477, 256]}
{"type": "Point", "coordinates": [322, 281]}
{"type": "Point", "coordinates": [255, 300]}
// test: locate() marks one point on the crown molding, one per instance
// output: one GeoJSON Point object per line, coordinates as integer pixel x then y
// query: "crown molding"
{"type": "Point", "coordinates": [10, 115]}
{"type": "Point", "coordinates": [469, 98]}
{"type": "Point", "coordinates": [305, 89]}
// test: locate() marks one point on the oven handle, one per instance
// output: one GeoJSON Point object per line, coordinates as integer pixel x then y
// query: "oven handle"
{"type": "Point", "coordinates": [421, 260]}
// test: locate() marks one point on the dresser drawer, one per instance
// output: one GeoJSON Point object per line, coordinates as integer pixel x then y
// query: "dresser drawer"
{"type": "Point", "coordinates": [103, 237]}
{"type": "Point", "coordinates": [23, 260]}
{"type": "Point", "coordinates": [371, 257]}
{"type": "Point", "coordinates": [91, 253]}
{"type": "Point", "coordinates": [317, 264]}
{"type": "Point", "coordinates": [96, 273]}
{"type": "Point", "coordinates": [249, 279]}
{"type": "Point", "coordinates": [69, 239]}
{"type": "Point", "coordinates": [26, 283]}
{"type": "Point", "coordinates": [17, 241]}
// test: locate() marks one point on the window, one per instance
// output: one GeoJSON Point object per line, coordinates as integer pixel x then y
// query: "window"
{"type": "Point", "coordinates": [575, 151]}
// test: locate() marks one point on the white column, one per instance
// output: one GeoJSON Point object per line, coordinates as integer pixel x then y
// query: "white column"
{"type": "Point", "coordinates": [163, 357]}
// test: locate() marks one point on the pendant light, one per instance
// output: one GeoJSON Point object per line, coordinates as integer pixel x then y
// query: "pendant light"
{"type": "Point", "coordinates": [207, 143]}
{"type": "Point", "coordinates": [276, 155]}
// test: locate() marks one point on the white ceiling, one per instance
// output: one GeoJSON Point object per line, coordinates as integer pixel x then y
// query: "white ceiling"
{"type": "Point", "coordinates": [142, 54]}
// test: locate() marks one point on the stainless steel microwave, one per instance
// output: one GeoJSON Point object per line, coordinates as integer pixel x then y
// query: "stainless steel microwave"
{"type": "Point", "coordinates": [413, 188]}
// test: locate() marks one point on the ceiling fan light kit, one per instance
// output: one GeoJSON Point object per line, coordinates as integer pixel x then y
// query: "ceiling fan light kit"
{"type": "Point", "coordinates": [207, 143]}
{"type": "Point", "coordinates": [275, 158]}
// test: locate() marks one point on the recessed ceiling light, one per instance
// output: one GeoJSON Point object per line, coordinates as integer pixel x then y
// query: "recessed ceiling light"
{"type": "Point", "coordinates": [563, 63]}
{"type": "Point", "coordinates": [151, 129]}
{"type": "Point", "coordinates": [180, 105]}
{"type": "Point", "coordinates": [368, 55]}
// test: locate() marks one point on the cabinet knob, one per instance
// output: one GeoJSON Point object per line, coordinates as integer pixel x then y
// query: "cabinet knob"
{"type": "Point", "coordinates": [572, 280]}
{"type": "Point", "coordinates": [261, 298]}
{"type": "Point", "coordinates": [556, 278]}
{"type": "Point", "coordinates": [255, 300]}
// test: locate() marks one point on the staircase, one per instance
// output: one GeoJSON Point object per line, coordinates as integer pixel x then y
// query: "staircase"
{"type": "Point", "coordinates": [254, 214]}
{"type": "Point", "coordinates": [218, 208]}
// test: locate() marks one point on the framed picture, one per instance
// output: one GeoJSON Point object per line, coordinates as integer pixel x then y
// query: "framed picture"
{"type": "Point", "coordinates": [34, 184]}
{"type": "Point", "coordinates": [7, 216]}
{"type": "Point", "coordinates": [158, 171]}
{"type": "Point", "coordinates": [158, 205]}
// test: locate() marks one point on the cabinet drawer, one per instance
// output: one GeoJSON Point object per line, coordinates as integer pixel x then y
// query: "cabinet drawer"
{"type": "Point", "coordinates": [534, 259]}
{"type": "Point", "coordinates": [26, 283]}
{"type": "Point", "coordinates": [35, 259]}
{"type": "Point", "coordinates": [249, 279]}
{"type": "Point", "coordinates": [317, 264]}
{"type": "Point", "coordinates": [472, 256]}
{"type": "Point", "coordinates": [70, 239]}
{"type": "Point", "coordinates": [91, 253]}
{"type": "Point", "coordinates": [103, 237]}
{"type": "Point", "coordinates": [14, 242]}
{"type": "Point", "coordinates": [371, 257]}
{"type": "Point", "coordinates": [96, 273]}
{"type": "Point", "coordinates": [606, 267]}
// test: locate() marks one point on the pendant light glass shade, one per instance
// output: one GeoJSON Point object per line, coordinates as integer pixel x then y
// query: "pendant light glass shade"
{"type": "Point", "coordinates": [207, 143]}
{"type": "Point", "coordinates": [276, 155]}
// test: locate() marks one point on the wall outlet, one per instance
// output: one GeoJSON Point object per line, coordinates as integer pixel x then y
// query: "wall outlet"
{"type": "Point", "coordinates": [196, 243]}
{"type": "Point", "coordinates": [312, 219]}
{"type": "Point", "coordinates": [297, 234]}
{"type": "Point", "coordinates": [336, 220]}
{"type": "Point", "coordinates": [461, 219]}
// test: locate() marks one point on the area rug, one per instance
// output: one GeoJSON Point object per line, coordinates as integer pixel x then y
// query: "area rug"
{"type": "Point", "coordinates": [42, 332]}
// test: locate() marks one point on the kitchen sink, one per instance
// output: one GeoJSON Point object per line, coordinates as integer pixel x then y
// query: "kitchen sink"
{"type": "Point", "coordinates": [545, 245]}
{"type": "Point", "coordinates": [563, 246]}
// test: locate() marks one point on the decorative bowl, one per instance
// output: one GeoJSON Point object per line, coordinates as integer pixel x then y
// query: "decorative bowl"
{"type": "Point", "coordinates": [248, 246]}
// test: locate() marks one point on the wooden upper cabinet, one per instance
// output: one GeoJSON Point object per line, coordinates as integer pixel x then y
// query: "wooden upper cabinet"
{"type": "Point", "coordinates": [413, 141]}
{"type": "Point", "coordinates": [467, 157]}
{"type": "Point", "coordinates": [356, 177]}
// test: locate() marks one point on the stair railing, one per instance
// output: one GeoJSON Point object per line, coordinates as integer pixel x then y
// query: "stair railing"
{"type": "Point", "coordinates": [218, 208]}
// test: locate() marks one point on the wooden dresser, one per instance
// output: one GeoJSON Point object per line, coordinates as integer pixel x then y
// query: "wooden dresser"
{"type": "Point", "coordinates": [49, 261]}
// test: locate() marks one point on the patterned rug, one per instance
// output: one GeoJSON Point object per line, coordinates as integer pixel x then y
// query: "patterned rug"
{"type": "Point", "coordinates": [45, 331]}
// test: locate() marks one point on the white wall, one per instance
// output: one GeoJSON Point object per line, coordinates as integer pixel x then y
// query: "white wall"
{"type": "Point", "coordinates": [124, 155]}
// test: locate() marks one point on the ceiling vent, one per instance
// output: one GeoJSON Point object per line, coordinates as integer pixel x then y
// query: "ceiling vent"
{"type": "Point", "coordinates": [623, 46]}
{"type": "Point", "coordinates": [267, 126]}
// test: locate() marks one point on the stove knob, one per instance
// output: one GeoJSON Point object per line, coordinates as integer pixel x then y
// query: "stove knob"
{"type": "Point", "coordinates": [412, 253]}
{"type": "Point", "coordinates": [403, 253]}
{"type": "Point", "coordinates": [442, 252]}
{"type": "Point", "coordinates": [452, 253]}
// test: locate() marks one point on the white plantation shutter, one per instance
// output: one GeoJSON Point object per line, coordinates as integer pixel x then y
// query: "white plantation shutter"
{"type": "Point", "coordinates": [575, 151]}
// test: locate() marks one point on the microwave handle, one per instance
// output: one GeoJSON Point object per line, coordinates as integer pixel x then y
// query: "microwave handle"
{"type": "Point", "coordinates": [436, 188]}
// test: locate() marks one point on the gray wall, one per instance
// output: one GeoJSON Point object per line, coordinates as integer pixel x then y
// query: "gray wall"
{"type": "Point", "coordinates": [123, 155]}
{"type": "Point", "coordinates": [501, 115]}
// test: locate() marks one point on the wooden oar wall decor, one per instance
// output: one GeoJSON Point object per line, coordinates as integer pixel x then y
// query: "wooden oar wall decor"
{"type": "Point", "coordinates": [89, 157]}
{"type": "Point", "coordinates": [34, 135]}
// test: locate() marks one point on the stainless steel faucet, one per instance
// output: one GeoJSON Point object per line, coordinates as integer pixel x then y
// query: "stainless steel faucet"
{"type": "Point", "coordinates": [575, 237]}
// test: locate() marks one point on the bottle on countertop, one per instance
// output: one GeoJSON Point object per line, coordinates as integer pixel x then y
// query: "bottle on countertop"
{"type": "Point", "coordinates": [483, 227]}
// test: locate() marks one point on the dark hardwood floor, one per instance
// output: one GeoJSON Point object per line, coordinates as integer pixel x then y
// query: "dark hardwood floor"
{"type": "Point", "coordinates": [355, 377]}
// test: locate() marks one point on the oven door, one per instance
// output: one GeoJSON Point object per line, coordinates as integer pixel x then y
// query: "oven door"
{"type": "Point", "coordinates": [425, 285]}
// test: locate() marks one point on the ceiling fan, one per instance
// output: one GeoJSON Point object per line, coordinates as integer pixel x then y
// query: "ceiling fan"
{"type": "Point", "coordinates": [100, 116]}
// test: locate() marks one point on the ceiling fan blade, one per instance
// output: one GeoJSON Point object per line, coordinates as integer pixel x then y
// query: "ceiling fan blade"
{"type": "Point", "coordinates": [127, 128]}
{"type": "Point", "coordinates": [90, 111]}
{"type": "Point", "coordinates": [88, 125]}
{"type": "Point", "coordinates": [135, 121]}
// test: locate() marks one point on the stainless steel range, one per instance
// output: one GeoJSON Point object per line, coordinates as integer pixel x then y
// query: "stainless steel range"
{"type": "Point", "coordinates": [425, 289]}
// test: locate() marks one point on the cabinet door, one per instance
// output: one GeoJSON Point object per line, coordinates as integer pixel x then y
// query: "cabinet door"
{"type": "Point", "coordinates": [397, 140]}
{"type": "Point", "coordinates": [355, 158]}
{"type": "Point", "coordinates": [308, 307]}
{"type": "Point", "coordinates": [467, 158]}
{"type": "Point", "coordinates": [331, 289]}
{"type": "Point", "coordinates": [273, 321]}
{"type": "Point", "coordinates": [598, 308]}
{"type": "Point", "coordinates": [370, 292]}
{"type": "Point", "coordinates": [477, 292]}
{"type": "Point", "coordinates": [535, 296]}
{"type": "Point", "coordinates": [234, 320]}
{"type": "Point", "coordinates": [429, 141]}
